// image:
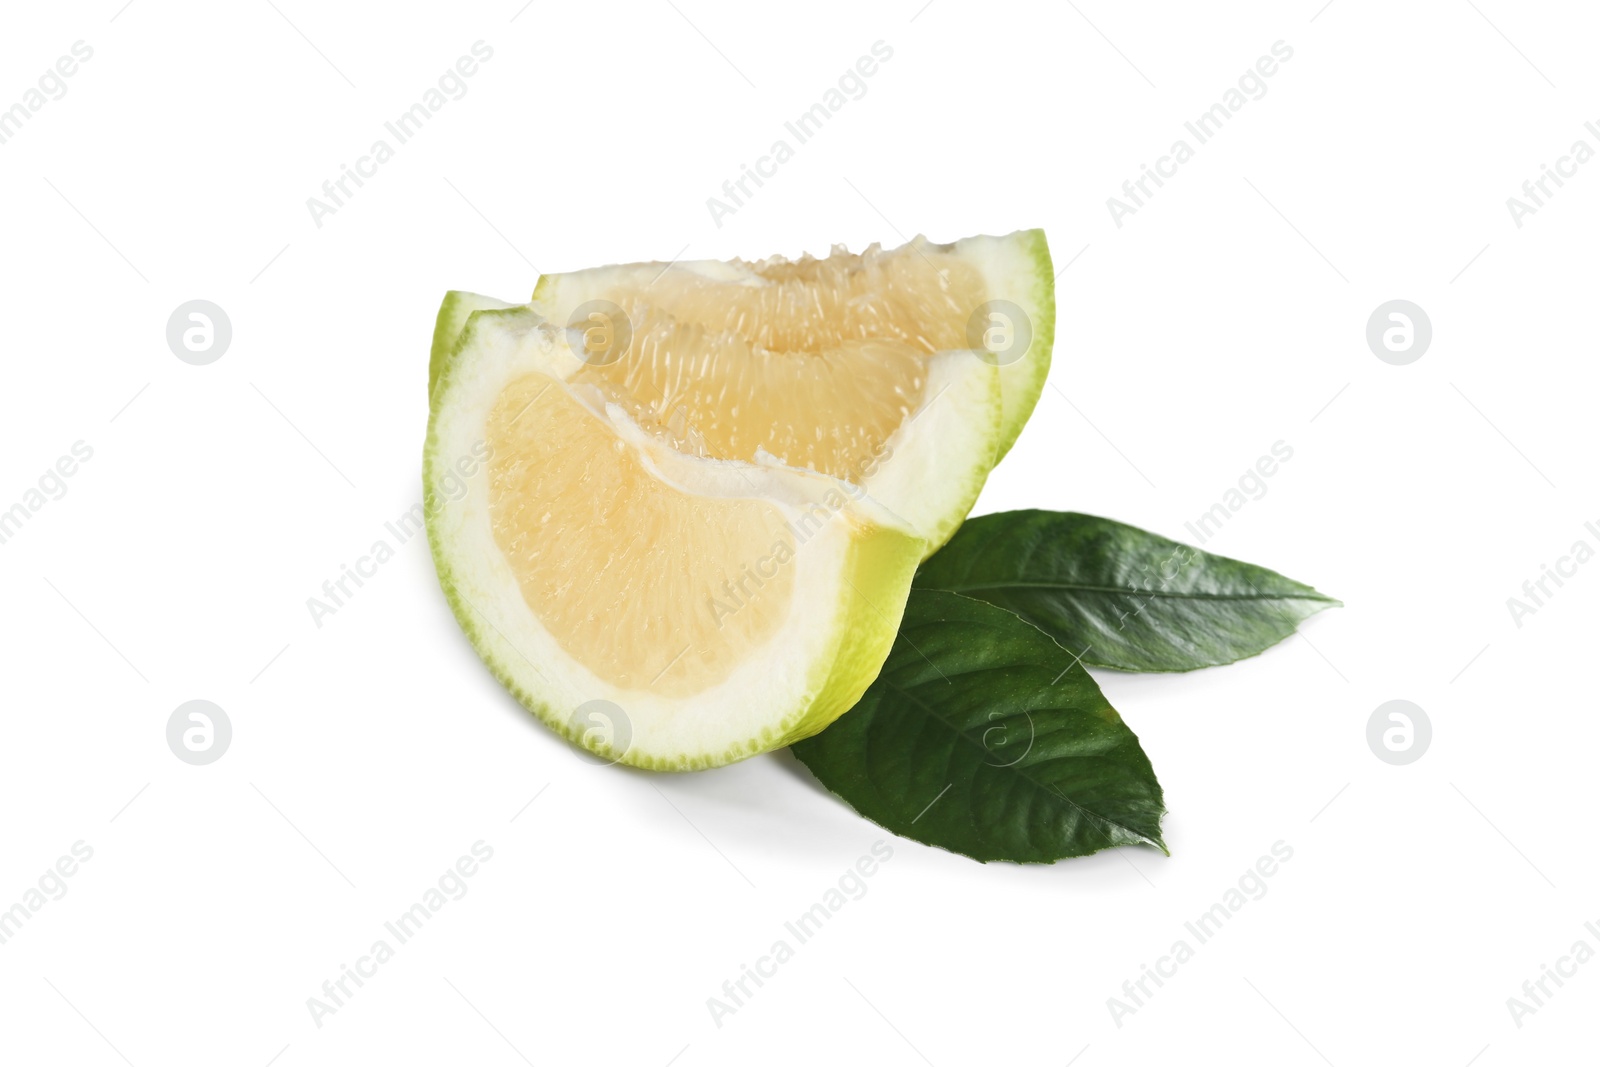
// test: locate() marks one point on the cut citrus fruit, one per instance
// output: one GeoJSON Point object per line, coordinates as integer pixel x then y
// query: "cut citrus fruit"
{"type": "Point", "coordinates": [709, 609]}
{"type": "Point", "coordinates": [825, 364]}
{"type": "Point", "coordinates": [677, 508]}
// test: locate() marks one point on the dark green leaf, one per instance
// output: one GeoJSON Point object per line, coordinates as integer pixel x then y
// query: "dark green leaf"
{"type": "Point", "coordinates": [982, 736]}
{"type": "Point", "coordinates": [1119, 596]}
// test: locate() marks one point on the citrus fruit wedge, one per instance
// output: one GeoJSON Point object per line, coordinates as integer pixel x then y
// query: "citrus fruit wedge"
{"type": "Point", "coordinates": [651, 603]}
{"type": "Point", "coordinates": [908, 371]}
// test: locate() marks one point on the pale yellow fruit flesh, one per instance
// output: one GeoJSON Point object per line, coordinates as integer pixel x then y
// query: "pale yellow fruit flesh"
{"type": "Point", "coordinates": [647, 586]}
{"type": "Point", "coordinates": [818, 367]}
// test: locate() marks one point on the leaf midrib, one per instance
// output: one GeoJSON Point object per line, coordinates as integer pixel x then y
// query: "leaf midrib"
{"type": "Point", "coordinates": [1126, 591]}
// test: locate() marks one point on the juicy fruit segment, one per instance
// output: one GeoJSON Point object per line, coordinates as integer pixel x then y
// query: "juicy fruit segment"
{"type": "Point", "coordinates": [827, 363]}
{"type": "Point", "coordinates": [818, 365]}
{"type": "Point", "coordinates": [719, 609]}
{"type": "Point", "coordinates": [630, 575]}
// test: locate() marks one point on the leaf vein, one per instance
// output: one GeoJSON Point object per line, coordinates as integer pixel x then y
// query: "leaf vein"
{"type": "Point", "coordinates": [1128, 591]}
{"type": "Point", "coordinates": [1029, 779]}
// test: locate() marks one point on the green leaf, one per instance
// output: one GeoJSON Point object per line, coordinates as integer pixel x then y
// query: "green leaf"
{"type": "Point", "coordinates": [1119, 596]}
{"type": "Point", "coordinates": [982, 736]}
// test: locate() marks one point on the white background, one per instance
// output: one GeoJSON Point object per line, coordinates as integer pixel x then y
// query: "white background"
{"type": "Point", "coordinates": [1226, 315]}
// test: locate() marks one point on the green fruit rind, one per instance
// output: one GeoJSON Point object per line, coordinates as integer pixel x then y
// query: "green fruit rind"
{"type": "Point", "coordinates": [451, 325]}
{"type": "Point", "coordinates": [849, 595]}
{"type": "Point", "coordinates": [869, 609]}
{"type": "Point", "coordinates": [1018, 268]}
